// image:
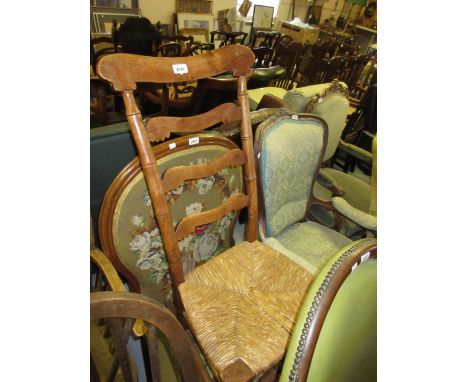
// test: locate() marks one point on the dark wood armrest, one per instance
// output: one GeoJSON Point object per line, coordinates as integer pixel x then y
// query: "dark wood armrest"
{"type": "Point", "coordinates": [271, 101]}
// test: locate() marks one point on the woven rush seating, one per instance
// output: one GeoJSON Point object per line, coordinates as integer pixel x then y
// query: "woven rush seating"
{"type": "Point", "coordinates": [241, 304]}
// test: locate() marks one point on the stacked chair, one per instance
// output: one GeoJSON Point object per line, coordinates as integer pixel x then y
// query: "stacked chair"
{"type": "Point", "coordinates": [228, 302]}
{"type": "Point", "coordinates": [239, 301]}
{"type": "Point", "coordinates": [334, 337]}
{"type": "Point", "coordinates": [330, 101]}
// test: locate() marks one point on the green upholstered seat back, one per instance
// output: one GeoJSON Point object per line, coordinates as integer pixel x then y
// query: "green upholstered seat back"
{"type": "Point", "coordinates": [346, 348]}
{"type": "Point", "coordinates": [291, 148]}
{"type": "Point", "coordinates": [128, 228]}
{"type": "Point", "coordinates": [333, 108]}
{"type": "Point", "coordinates": [298, 98]}
{"type": "Point", "coordinates": [329, 101]}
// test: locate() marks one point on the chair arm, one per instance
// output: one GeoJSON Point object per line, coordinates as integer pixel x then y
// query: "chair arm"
{"type": "Point", "coordinates": [355, 151]}
{"type": "Point", "coordinates": [271, 101]}
{"type": "Point", "coordinates": [361, 218]}
{"type": "Point", "coordinates": [115, 283]}
{"type": "Point", "coordinates": [330, 183]}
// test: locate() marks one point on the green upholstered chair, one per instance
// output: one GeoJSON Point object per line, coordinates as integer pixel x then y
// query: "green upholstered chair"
{"type": "Point", "coordinates": [289, 149]}
{"type": "Point", "coordinates": [128, 230]}
{"type": "Point", "coordinates": [335, 335]}
{"type": "Point", "coordinates": [359, 201]}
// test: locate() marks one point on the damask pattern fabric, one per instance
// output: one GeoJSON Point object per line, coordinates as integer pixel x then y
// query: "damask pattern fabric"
{"type": "Point", "coordinates": [311, 241]}
{"type": "Point", "coordinates": [136, 234]}
{"type": "Point", "coordinates": [290, 153]}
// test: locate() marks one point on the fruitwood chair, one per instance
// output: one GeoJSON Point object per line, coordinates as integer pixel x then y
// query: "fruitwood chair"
{"type": "Point", "coordinates": [335, 335]}
{"type": "Point", "coordinates": [289, 150]}
{"type": "Point", "coordinates": [241, 304]}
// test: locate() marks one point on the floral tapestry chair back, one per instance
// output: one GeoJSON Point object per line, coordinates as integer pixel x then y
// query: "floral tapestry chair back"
{"type": "Point", "coordinates": [128, 229]}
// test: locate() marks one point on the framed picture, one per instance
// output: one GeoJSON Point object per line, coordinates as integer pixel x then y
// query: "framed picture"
{"type": "Point", "coordinates": [195, 21]}
{"type": "Point", "coordinates": [166, 29]}
{"type": "Point", "coordinates": [102, 17]}
{"type": "Point", "coordinates": [193, 6]}
{"type": "Point", "coordinates": [199, 35]}
{"type": "Point", "coordinates": [262, 17]}
{"type": "Point", "coordinates": [115, 3]}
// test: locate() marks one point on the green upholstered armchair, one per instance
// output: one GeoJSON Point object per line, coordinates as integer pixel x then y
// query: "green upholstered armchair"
{"type": "Point", "coordinates": [128, 230]}
{"type": "Point", "coordinates": [359, 201]}
{"type": "Point", "coordinates": [289, 150]}
{"type": "Point", "coordinates": [335, 335]}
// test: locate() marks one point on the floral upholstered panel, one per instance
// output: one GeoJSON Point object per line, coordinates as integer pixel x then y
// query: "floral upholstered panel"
{"type": "Point", "coordinates": [135, 231]}
{"type": "Point", "coordinates": [333, 108]}
{"type": "Point", "coordinates": [290, 154]}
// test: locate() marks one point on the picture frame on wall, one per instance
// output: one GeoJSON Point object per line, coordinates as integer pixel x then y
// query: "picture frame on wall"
{"type": "Point", "coordinates": [194, 6]}
{"type": "Point", "coordinates": [125, 4]}
{"type": "Point", "coordinates": [102, 17]}
{"type": "Point", "coordinates": [195, 21]}
{"type": "Point", "coordinates": [199, 35]}
{"type": "Point", "coordinates": [262, 17]}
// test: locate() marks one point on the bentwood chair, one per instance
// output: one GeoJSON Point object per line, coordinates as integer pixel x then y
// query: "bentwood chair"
{"type": "Point", "coordinates": [170, 49]}
{"type": "Point", "coordinates": [126, 307]}
{"type": "Point", "coordinates": [335, 335]}
{"type": "Point", "coordinates": [241, 304]}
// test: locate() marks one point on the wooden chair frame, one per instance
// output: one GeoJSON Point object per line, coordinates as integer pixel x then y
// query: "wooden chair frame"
{"type": "Point", "coordinates": [124, 71]}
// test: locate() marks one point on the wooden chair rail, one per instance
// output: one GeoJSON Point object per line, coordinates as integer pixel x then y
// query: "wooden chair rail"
{"type": "Point", "coordinates": [159, 128]}
{"type": "Point", "coordinates": [188, 224]}
{"type": "Point", "coordinates": [175, 176]}
{"type": "Point", "coordinates": [125, 70]}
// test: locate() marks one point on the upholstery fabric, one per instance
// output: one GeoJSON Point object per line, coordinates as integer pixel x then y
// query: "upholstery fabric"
{"type": "Point", "coordinates": [356, 151]}
{"type": "Point", "coordinates": [334, 110]}
{"type": "Point", "coordinates": [365, 220]}
{"type": "Point", "coordinates": [290, 150]}
{"type": "Point", "coordinates": [135, 232]}
{"type": "Point", "coordinates": [348, 335]}
{"type": "Point", "coordinates": [359, 197]}
{"type": "Point", "coordinates": [311, 241]}
{"type": "Point", "coordinates": [298, 98]}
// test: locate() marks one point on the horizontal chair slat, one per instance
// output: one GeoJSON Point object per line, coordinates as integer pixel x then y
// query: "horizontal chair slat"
{"type": "Point", "coordinates": [175, 176]}
{"type": "Point", "coordinates": [125, 70]}
{"type": "Point", "coordinates": [188, 224]}
{"type": "Point", "coordinates": [159, 128]}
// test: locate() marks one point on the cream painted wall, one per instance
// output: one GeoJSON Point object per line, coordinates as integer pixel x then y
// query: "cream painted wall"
{"type": "Point", "coordinates": [162, 10]}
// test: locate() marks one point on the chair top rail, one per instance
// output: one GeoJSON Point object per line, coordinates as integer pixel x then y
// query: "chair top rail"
{"type": "Point", "coordinates": [124, 71]}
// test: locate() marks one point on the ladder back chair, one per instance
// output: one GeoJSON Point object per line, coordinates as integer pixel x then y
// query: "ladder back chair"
{"type": "Point", "coordinates": [240, 318]}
